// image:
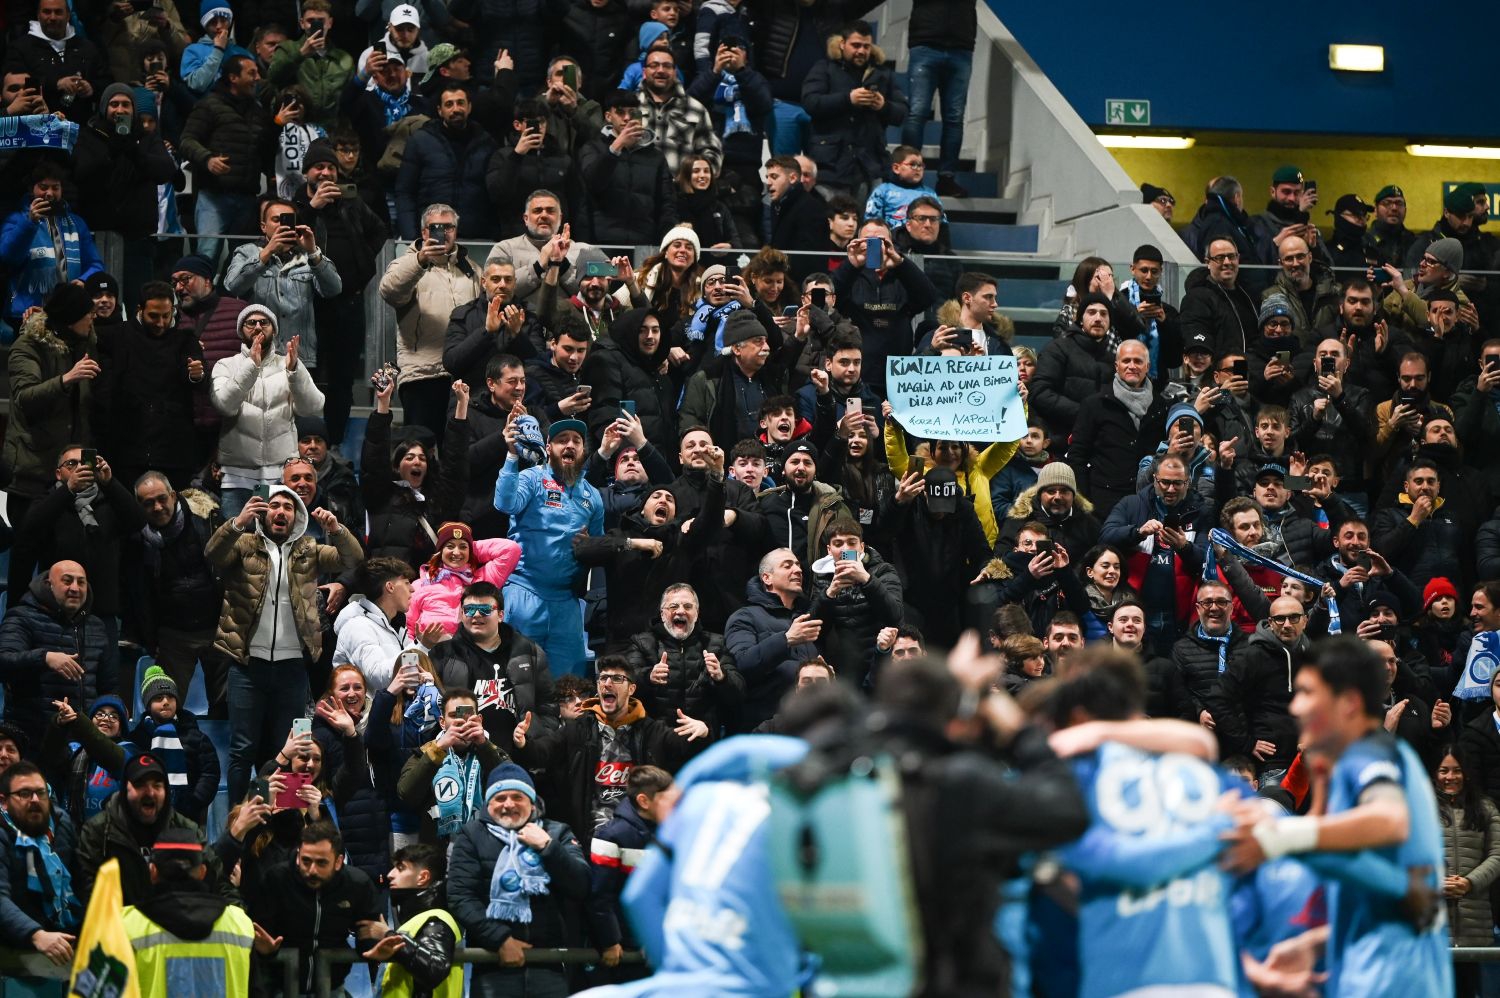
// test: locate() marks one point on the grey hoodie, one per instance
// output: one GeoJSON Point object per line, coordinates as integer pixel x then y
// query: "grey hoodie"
{"type": "Point", "coordinates": [275, 635]}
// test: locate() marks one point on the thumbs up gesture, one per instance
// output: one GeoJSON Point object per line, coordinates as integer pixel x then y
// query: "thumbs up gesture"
{"type": "Point", "coordinates": [660, 673]}
{"type": "Point", "coordinates": [518, 734]}
{"type": "Point", "coordinates": [712, 667]}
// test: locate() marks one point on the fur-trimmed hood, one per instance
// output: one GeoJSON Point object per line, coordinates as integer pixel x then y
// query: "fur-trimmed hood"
{"type": "Point", "coordinates": [1004, 327]}
{"type": "Point", "coordinates": [835, 51]}
{"type": "Point", "coordinates": [1021, 509]}
{"type": "Point", "coordinates": [199, 503]}
{"type": "Point", "coordinates": [35, 326]}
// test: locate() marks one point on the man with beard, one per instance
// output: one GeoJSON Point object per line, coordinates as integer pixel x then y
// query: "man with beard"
{"type": "Point", "coordinates": [337, 488]}
{"type": "Point", "coordinates": [172, 596]}
{"type": "Point", "coordinates": [1391, 236]}
{"type": "Point", "coordinates": [270, 628]}
{"type": "Point", "coordinates": [682, 127]}
{"type": "Point", "coordinates": [852, 97]}
{"type": "Point", "coordinates": [52, 646]}
{"type": "Point", "coordinates": [547, 505]}
{"type": "Point", "coordinates": [798, 511]}
{"type": "Point", "coordinates": [442, 779]}
{"type": "Point", "coordinates": [1055, 501]}
{"type": "Point", "coordinates": [445, 161]}
{"type": "Point", "coordinates": [546, 242]}
{"type": "Point", "coordinates": [40, 910]}
{"type": "Point", "coordinates": [1308, 287]}
{"type": "Point", "coordinates": [491, 324]}
{"type": "Point", "coordinates": [631, 192]}
{"type": "Point", "coordinates": [183, 923]}
{"type": "Point", "coordinates": [1330, 415]}
{"type": "Point", "coordinates": [129, 826]}
{"type": "Point", "coordinates": [1286, 215]}
{"type": "Point", "coordinates": [506, 671]}
{"type": "Point", "coordinates": [536, 155]}
{"type": "Point", "coordinates": [1373, 346]}
{"type": "Point", "coordinates": [1425, 534]}
{"type": "Point", "coordinates": [686, 667]}
{"type": "Point", "coordinates": [1074, 366]}
{"type": "Point", "coordinates": [1401, 419]}
{"type": "Point", "coordinates": [552, 380]}
{"type": "Point", "coordinates": [1250, 708]}
{"type": "Point", "coordinates": [650, 550]}
{"type": "Point", "coordinates": [591, 756]}
{"type": "Point", "coordinates": [315, 901]}
{"type": "Point", "coordinates": [67, 66]}
{"type": "Point", "coordinates": [592, 302]}
{"type": "Point", "coordinates": [213, 318]}
{"type": "Point", "coordinates": [717, 575]}
{"type": "Point", "coordinates": [515, 881]}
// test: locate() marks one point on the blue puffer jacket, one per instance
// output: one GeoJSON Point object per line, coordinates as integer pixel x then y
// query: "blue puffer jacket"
{"type": "Point", "coordinates": [32, 628]}
{"type": "Point", "coordinates": [21, 911]}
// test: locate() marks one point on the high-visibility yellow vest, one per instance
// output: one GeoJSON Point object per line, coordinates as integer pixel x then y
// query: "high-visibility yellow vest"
{"type": "Point", "coordinates": [168, 965]}
{"type": "Point", "coordinates": [398, 982]}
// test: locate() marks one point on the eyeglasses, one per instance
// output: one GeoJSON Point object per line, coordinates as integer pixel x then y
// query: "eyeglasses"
{"type": "Point", "coordinates": [1430, 261]}
{"type": "Point", "coordinates": [1166, 200]}
{"type": "Point", "coordinates": [1172, 483]}
{"type": "Point", "coordinates": [28, 793]}
{"type": "Point", "coordinates": [71, 462]}
{"type": "Point", "coordinates": [1295, 257]}
{"type": "Point", "coordinates": [1213, 604]}
{"type": "Point", "coordinates": [924, 219]}
{"type": "Point", "coordinates": [478, 609]}
{"type": "Point", "coordinates": [1286, 618]}
{"type": "Point", "coordinates": [1278, 323]}
{"type": "Point", "coordinates": [1223, 258]}
{"type": "Point", "coordinates": [684, 607]}
{"type": "Point", "coordinates": [613, 679]}
{"type": "Point", "coordinates": [107, 715]}
{"type": "Point", "coordinates": [253, 323]}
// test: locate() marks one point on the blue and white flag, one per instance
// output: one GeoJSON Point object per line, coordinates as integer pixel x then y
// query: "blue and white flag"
{"type": "Point", "coordinates": [1479, 668]}
{"type": "Point", "coordinates": [37, 131]}
{"type": "Point", "coordinates": [1222, 538]}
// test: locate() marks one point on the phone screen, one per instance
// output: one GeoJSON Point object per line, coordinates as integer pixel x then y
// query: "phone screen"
{"type": "Point", "coordinates": [288, 797]}
{"type": "Point", "coordinates": [627, 405]}
{"type": "Point", "coordinates": [1326, 365]}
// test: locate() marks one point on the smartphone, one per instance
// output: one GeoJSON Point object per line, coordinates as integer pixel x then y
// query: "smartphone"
{"type": "Point", "coordinates": [600, 268]}
{"type": "Point", "coordinates": [259, 788]}
{"type": "Point", "coordinates": [570, 76]}
{"type": "Point", "coordinates": [584, 390]}
{"type": "Point", "coordinates": [854, 407]}
{"type": "Point", "coordinates": [1185, 425]}
{"type": "Point", "coordinates": [917, 464]}
{"type": "Point", "coordinates": [288, 797]}
{"type": "Point", "coordinates": [1362, 560]}
{"type": "Point", "coordinates": [977, 338]}
{"type": "Point", "coordinates": [1240, 368]}
{"type": "Point", "coordinates": [1297, 483]}
{"type": "Point", "coordinates": [1285, 357]}
{"type": "Point", "coordinates": [627, 406]}
{"type": "Point", "coordinates": [1491, 362]}
{"type": "Point", "coordinates": [1152, 295]}
{"type": "Point", "coordinates": [316, 25]}
{"type": "Point", "coordinates": [301, 726]}
{"type": "Point", "coordinates": [874, 252]}
{"type": "Point", "coordinates": [819, 297]}
{"type": "Point", "coordinates": [261, 491]}
{"type": "Point", "coordinates": [464, 712]}
{"type": "Point", "coordinates": [849, 555]}
{"type": "Point", "coordinates": [1327, 365]}
{"type": "Point", "coordinates": [90, 457]}
{"type": "Point", "coordinates": [348, 191]}
{"type": "Point", "coordinates": [790, 312]}
{"type": "Point", "coordinates": [287, 219]}
{"type": "Point", "coordinates": [1310, 186]}
{"type": "Point", "coordinates": [437, 233]}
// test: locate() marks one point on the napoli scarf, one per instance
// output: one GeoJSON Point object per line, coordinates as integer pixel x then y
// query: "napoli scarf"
{"type": "Point", "coordinates": [519, 874]}
{"type": "Point", "coordinates": [1135, 400]}
{"type": "Point", "coordinates": [421, 714]}
{"type": "Point", "coordinates": [529, 441]}
{"type": "Point", "coordinates": [47, 877]}
{"type": "Point", "coordinates": [458, 790]}
{"type": "Point", "coordinates": [727, 93]}
{"type": "Point", "coordinates": [1222, 538]}
{"type": "Point", "coordinates": [396, 106]}
{"type": "Point", "coordinates": [1479, 667]}
{"type": "Point", "coordinates": [706, 315]}
{"type": "Point", "coordinates": [1221, 641]}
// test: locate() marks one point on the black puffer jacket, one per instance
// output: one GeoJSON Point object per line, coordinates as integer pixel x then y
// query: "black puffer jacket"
{"type": "Point", "coordinates": [525, 685]}
{"type": "Point", "coordinates": [756, 634]}
{"type": "Point", "coordinates": [1108, 446]}
{"type": "Point", "coordinates": [1305, 542]}
{"type": "Point", "coordinates": [706, 212]}
{"type": "Point", "coordinates": [468, 346]}
{"type": "Point", "coordinates": [1197, 663]}
{"type": "Point", "coordinates": [848, 142]}
{"type": "Point", "coordinates": [554, 915]}
{"type": "Point", "coordinates": [364, 818]}
{"type": "Point", "coordinates": [317, 919]}
{"type": "Point", "coordinates": [512, 176]}
{"type": "Point", "coordinates": [733, 556]}
{"type": "Point", "coordinates": [689, 686]}
{"type": "Point", "coordinates": [1069, 370]}
{"type": "Point", "coordinates": [1441, 546]}
{"type": "Point", "coordinates": [1481, 743]}
{"type": "Point", "coordinates": [237, 127]}
{"type": "Point", "coordinates": [116, 177]}
{"type": "Point", "coordinates": [53, 532]}
{"type": "Point", "coordinates": [944, 24]}
{"type": "Point", "coordinates": [518, 26]}
{"type": "Point", "coordinates": [1254, 699]}
{"type": "Point", "coordinates": [630, 194]}
{"type": "Point", "coordinates": [596, 37]}
{"type": "Point", "coordinates": [174, 584]}
{"type": "Point", "coordinates": [34, 626]}
{"type": "Point", "coordinates": [145, 398]}
{"type": "Point", "coordinates": [854, 615]}
{"type": "Point", "coordinates": [1229, 318]}
{"type": "Point", "coordinates": [441, 167]}
{"type": "Point", "coordinates": [789, 36]}
{"type": "Point", "coordinates": [394, 510]}
{"type": "Point", "coordinates": [1346, 430]}
{"type": "Point", "coordinates": [617, 370]}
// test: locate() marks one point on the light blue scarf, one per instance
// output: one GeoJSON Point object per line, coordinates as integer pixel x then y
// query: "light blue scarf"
{"type": "Point", "coordinates": [1222, 538]}
{"type": "Point", "coordinates": [47, 877]}
{"type": "Point", "coordinates": [519, 874]}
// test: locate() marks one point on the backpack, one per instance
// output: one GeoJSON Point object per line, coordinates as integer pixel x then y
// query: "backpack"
{"type": "Point", "coordinates": [839, 848]}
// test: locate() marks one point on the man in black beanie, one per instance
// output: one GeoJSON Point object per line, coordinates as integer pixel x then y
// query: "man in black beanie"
{"type": "Point", "coordinates": [351, 236]}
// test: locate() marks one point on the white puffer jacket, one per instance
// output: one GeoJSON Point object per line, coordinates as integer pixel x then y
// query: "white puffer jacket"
{"type": "Point", "coordinates": [260, 405]}
{"type": "Point", "coordinates": [424, 298]}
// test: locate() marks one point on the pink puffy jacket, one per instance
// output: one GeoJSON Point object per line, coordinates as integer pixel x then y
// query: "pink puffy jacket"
{"type": "Point", "coordinates": [435, 601]}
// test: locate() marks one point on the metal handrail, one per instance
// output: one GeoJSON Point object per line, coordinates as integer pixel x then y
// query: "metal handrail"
{"type": "Point", "coordinates": [324, 959]}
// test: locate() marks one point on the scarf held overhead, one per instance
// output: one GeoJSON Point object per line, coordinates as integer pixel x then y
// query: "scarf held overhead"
{"type": "Point", "coordinates": [1220, 537]}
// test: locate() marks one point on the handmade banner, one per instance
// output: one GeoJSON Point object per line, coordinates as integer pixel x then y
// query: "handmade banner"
{"type": "Point", "coordinates": [971, 399]}
{"type": "Point", "coordinates": [37, 131]}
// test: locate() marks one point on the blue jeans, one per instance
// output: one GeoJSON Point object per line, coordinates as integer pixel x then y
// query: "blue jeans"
{"type": "Point", "coordinates": [264, 698]}
{"type": "Point", "coordinates": [787, 128]}
{"type": "Point", "coordinates": [933, 69]}
{"type": "Point", "coordinates": [216, 214]}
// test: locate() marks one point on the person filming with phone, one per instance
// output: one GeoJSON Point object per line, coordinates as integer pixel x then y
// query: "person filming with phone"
{"type": "Point", "coordinates": [321, 69]}
{"type": "Point", "coordinates": [444, 779]}
{"type": "Point", "coordinates": [30, 241]}
{"type": "Point", "coordinates": [627, 176]}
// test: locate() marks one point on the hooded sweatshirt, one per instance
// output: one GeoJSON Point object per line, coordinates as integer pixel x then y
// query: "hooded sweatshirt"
{"type": "Point", "coordinates": [275, 635]}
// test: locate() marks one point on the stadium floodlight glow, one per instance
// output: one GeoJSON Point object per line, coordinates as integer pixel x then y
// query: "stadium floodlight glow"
{"type": "Point", "coordinates": [1147, 141]}
{"type": "Point", "coordinates": [1455, 152]}
{"type": "Point", "coordinates": [1357, 58]}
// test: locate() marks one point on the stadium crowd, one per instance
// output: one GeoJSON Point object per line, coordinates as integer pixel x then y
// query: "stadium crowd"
{"type": "Point", "coordinates": [632, 509]}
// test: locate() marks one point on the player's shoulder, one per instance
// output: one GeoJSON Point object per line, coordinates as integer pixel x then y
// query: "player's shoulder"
{"type": "Point", "coordinates": [1373, 758]}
